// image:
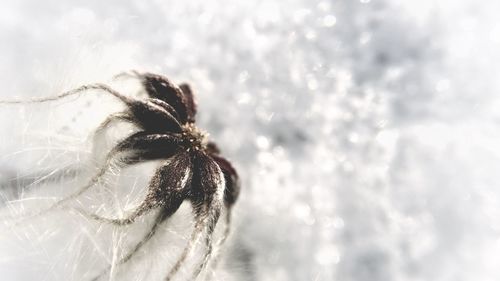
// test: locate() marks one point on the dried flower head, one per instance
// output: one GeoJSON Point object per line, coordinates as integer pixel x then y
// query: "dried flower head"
{"type": "Point", "coordinates": [192, 167]}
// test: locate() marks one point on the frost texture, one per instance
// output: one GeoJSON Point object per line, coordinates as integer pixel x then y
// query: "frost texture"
{"type": "Point", "coordinates": [365, 133]}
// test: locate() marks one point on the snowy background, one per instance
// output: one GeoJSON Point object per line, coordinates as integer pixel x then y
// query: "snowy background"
{"type": "Point", "coordinates": [365, 133]}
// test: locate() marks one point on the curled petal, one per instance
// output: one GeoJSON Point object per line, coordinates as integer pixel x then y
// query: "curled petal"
{"type": "Point", "coordinates": [166, 189]}
{"type": "Point", "coordinates": [161, 88]}
{"type": "Point", "coordinates": [206, 195]}
{"type": "Point", "coordinates": [166, 106]}
{"type": "Point", "coordinates": [208, 180]}
{"type": "Point", "coordinates": [153, 117]}
{"type": "Point", "coordinates": [190, 102]}
{"type": "Point", "coordinates": [232, 190]}
{"type": "Point", "coordinates": [173, 177]}
{"type": "Point", "coordinates": [143, 146]}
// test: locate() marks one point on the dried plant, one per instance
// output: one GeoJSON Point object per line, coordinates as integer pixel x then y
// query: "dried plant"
{"type": "Point", "coordinates": [192, 168]}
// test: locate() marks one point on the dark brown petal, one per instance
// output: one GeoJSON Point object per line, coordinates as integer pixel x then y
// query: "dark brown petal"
{"type": "Point", "coordinates": [166, 189]}
{"type": "Point", "coordinates": [143, 146]}
{"type": "Point", "coordinates": [160, 87]}
{"type": "Point", "coordinates": [153, 117]}
{"type": "Point", "coordinates": [233, 186]}
{"type": "Point", "coordinates": [208, 180]}
{"type": "Point", "coordinates": [190, 102]}
{"type": "Point", "coordinates": [166, 106]}
{"type": "Point", "coordinates": [171, 183]}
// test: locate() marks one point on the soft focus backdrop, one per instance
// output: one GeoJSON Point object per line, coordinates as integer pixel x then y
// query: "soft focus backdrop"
{"type": "Point", "coordinates": [365, 133]}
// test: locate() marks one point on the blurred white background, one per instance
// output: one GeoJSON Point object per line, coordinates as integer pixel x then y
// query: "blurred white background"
{"type": "Point", "coordinates": [365, 132]}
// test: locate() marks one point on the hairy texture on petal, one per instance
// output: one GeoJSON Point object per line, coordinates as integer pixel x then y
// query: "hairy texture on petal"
{"type": "Point", "coordinates": [153, 117]}
{"type": "Point", "coordinates": [208, 179]}
{"type": "Point", "coordinates": [211, 211]}
{"type": "Point", "coordinates": [160, 87]}
{"type": "Point", "coordinates": [190, 102]}
{"type": "Point", "coordinates": [166, 189]}
{"type": "Point", "coordinates": [143, 146]}
{"type": "Point", "coordinates": [231, 178]}
{"type": "Point", "coordinates": [167, 107]}
{"type": "Point", "coordinates": [172, 180]}
{"type": "Point", "coordinates": [206, 196]}
{"type": "Point", "coordinates": [197, 232]}
{"type": "Point", "coordinates": [81, 89]}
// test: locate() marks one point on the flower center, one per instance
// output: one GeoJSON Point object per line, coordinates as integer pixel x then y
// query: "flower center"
{"type": "Point", "coordinates": [194, 138]}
